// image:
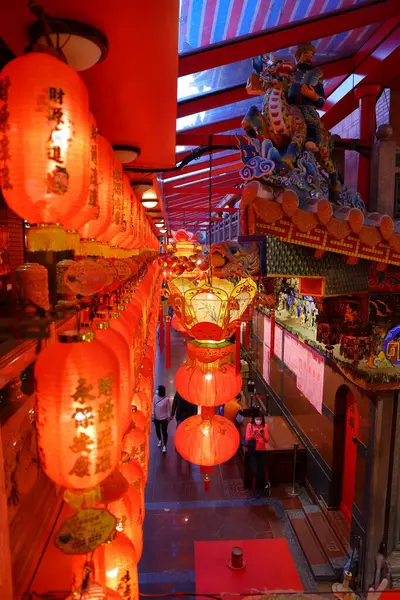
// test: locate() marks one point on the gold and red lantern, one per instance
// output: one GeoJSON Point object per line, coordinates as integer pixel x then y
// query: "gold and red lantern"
{"type": "Point", "coordinates": [45, 145]}
{"type": "Point", "coordinates": [77, 383]}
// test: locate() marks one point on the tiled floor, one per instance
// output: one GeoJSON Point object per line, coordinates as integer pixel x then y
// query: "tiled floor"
{"type": "Point", "coordinates": [179, 511]}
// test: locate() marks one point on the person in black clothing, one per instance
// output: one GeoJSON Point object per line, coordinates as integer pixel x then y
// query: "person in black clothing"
{"type": "Point", "coordinates": [182, 409]}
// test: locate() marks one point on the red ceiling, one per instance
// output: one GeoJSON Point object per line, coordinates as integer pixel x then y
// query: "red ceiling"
{"type": "Point", "coordinates": [133, 93]}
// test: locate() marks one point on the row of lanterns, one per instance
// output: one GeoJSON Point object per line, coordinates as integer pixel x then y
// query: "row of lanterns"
{"type": "Point", "coordinates": [57, 172]}
{"type": "Point", "coordinates": [94, 397]}
{"type": "Point", "coordinates": [210, 312]}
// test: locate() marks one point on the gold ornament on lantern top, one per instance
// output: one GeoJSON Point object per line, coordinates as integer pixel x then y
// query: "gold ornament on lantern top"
{"type": "Point", "coordinates": [211, 310]}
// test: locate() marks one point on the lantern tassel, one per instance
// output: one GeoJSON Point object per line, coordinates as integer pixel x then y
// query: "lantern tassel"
{"type": "Point", "coordinates": [47, 238]}
{"type": "Point", "coordinates": [73, 240]}
{"type": "Point", "coordinates": [91, 248]}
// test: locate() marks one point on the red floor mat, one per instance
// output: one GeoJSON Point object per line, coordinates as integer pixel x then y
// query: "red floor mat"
{"type": "Point", "coordinates": [269, 566]}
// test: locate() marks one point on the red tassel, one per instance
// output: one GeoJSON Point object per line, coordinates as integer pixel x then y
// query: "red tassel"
{"type": "Point", "coordinates": [207, 483]}
{"type": "Point", "coordinates": [167, 342]}
{"type": "Point", "coordinates": [161, 320]}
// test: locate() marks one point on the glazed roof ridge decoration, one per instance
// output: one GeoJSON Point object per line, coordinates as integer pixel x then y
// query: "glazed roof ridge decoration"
{"type": "Point", "coordinates": [320, 225]}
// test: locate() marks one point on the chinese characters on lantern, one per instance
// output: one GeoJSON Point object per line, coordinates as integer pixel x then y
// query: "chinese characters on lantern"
{"type": "Point", "coordinates": [86, 404]}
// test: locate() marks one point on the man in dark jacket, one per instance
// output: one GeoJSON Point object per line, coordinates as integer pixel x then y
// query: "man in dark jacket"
{"type": "Point", "coordinates": [181, 409]}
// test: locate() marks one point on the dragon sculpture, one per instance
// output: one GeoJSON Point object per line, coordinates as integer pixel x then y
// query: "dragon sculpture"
{"type": "Point", "coordinates": [230, 259]}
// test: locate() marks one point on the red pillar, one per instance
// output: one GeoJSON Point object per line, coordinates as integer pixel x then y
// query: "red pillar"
{"type": "Point", "coordinates": [167, 342]}
{"type": "Point", "coordinates": [366, 95]}
{"type": "Point", "coordinates": [237, 342]}
{"type": "Point", "coordinates": [161, 320]}
{"type": "Point", "coordinates": [272, 338]}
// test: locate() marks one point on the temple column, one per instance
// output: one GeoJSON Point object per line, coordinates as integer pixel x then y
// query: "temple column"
{"type": "Point", "coordinates": [366, 95]}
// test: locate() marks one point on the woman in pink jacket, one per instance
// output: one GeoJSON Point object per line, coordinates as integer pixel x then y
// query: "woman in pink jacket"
{"type": "Point", "coordinates": [257, 437]}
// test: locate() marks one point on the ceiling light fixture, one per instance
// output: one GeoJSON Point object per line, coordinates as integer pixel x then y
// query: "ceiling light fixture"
{"type": "Point", "coordinates": [159, 225]}
{"type": "Point", "coordinates": [149, 199]}
{"type": "Point", "coordinates": [126, 153]}
{"type": "Point", "coordinates": [82, 45]}
{"type": "Point", "coordinates": [163, 231]}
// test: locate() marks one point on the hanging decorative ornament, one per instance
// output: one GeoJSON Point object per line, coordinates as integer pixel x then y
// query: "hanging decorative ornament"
{"type": "Point", "coordinates": [85, 277]}
{"type": "Point", "coordinates": [113, 487]}
{"type": "Point", "coordinates": [211, 311]}
{"type": "Point", "coordinates": [208, 378]}
{"type": "Point", "coordinates": [117, 344]}
{"type": "Point", "coordinates": [129, 521]}
{"type": "Point", "coordinates": [118, 566]}
{"type": "Point", "coordinates": [85, 530]}
{"type": "Point", "coordinates": [74, 222]}
{"type": "Point", "coordinates": [207, 439]}
{"type": "Point", "coordinates": [136, 445]}
{"type": "Point", "coordinates": [91, 231]}
{"type": "Point", "coordinates": [45, 144]}
{"type": "Point", "coordinates": [77, 390]}
{"type": "Point", "coordinates": [115, 226]}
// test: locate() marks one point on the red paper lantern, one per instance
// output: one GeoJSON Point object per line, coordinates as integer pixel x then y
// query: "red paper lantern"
{"type": "Point", "coordinates": [93, 229]}
{"type": "Point", "coordinates": [116, 342]}
{"type": "Point", "coordinates": [133, 473]}
{"type": "Point", "coordinates": [113, 488]}
{"type": "Point", "coordinates": [77, 390]}
{"type": "Point", "coordinates": [207, 439]}
{"type": "Point", "coordinates": [45, 140]}
{"type": "Point", "coordinates": [140, 420]}
{"type": "Point", "coordinates": [117, 203]}
{"type": "Point", "coordinates": [129, 521]}
{"type": "Point", "coordinates": [208, 383]}
{"type": "Point", "coordinates": [126, 215]}
{"type": "Point", "coordinates": [136, 445]}
{"type": "Point", "coordinates": [143, 399]}
{"type": "Point", "coordinates": [117, 565]}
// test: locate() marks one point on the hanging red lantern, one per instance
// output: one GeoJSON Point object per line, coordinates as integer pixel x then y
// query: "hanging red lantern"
{"type": "Point", "coordinates": [45, 145]}
{"type": "Point", "coordinates": [98, 224]}
{"type": "Point", "coordinates": [140, 420]}
{"type": "Point", "coordinates": [118, 567]}
{"type": "Point", "coordinates": [113, 487]}
{"type": "Point", "coordinates": [115, 226]}
{"type": "Point", "coordinates": [133, 473]}
{"type": "Point", "coordinates": [91, 207]}
{"type": "Point", "coordinates": [136, 445]}
{"type": "Point", "coordinates": [116, 343]}
{"type": "Point", "coordinates": [208, 380]}
{"type": "Point", "coordinates": [126, 215]}
{"type": "Point", "coordinates": [143, 398]}
{"type": "Point", "coordinates": [129, 521]}
{"type": "Point", "coordinates": [77, 390]}
{"type": "Point", "coordinates": [207, 439]}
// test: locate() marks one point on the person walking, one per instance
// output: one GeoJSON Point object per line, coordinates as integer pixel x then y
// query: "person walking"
{"type": "Point", "coordinates": [161, 416]}
{"type": "Point", "coordinates": [257, 437]}
{"type": "Point", "coordinates": [182, 409]}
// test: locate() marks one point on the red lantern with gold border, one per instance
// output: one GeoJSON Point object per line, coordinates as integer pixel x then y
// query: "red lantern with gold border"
{"type": "Point", "coordinates": [91, 231]}
{"type": "Point", "coordinates": [77, 390]}
{"type": "Point", "coordinates": [45, 145]}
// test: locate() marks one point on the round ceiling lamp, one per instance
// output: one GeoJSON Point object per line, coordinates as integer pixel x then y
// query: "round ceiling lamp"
{"type": "Point", "coordinates": [163, 230]}
{"type": "Point", "coordinates": [149, 199]}
{"type": "Point", "coordinates": [159, 225]}
{"type": "Point", "coordinates": [126, 153]}
{"type": "Point", "coordinates": [82, 45]}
